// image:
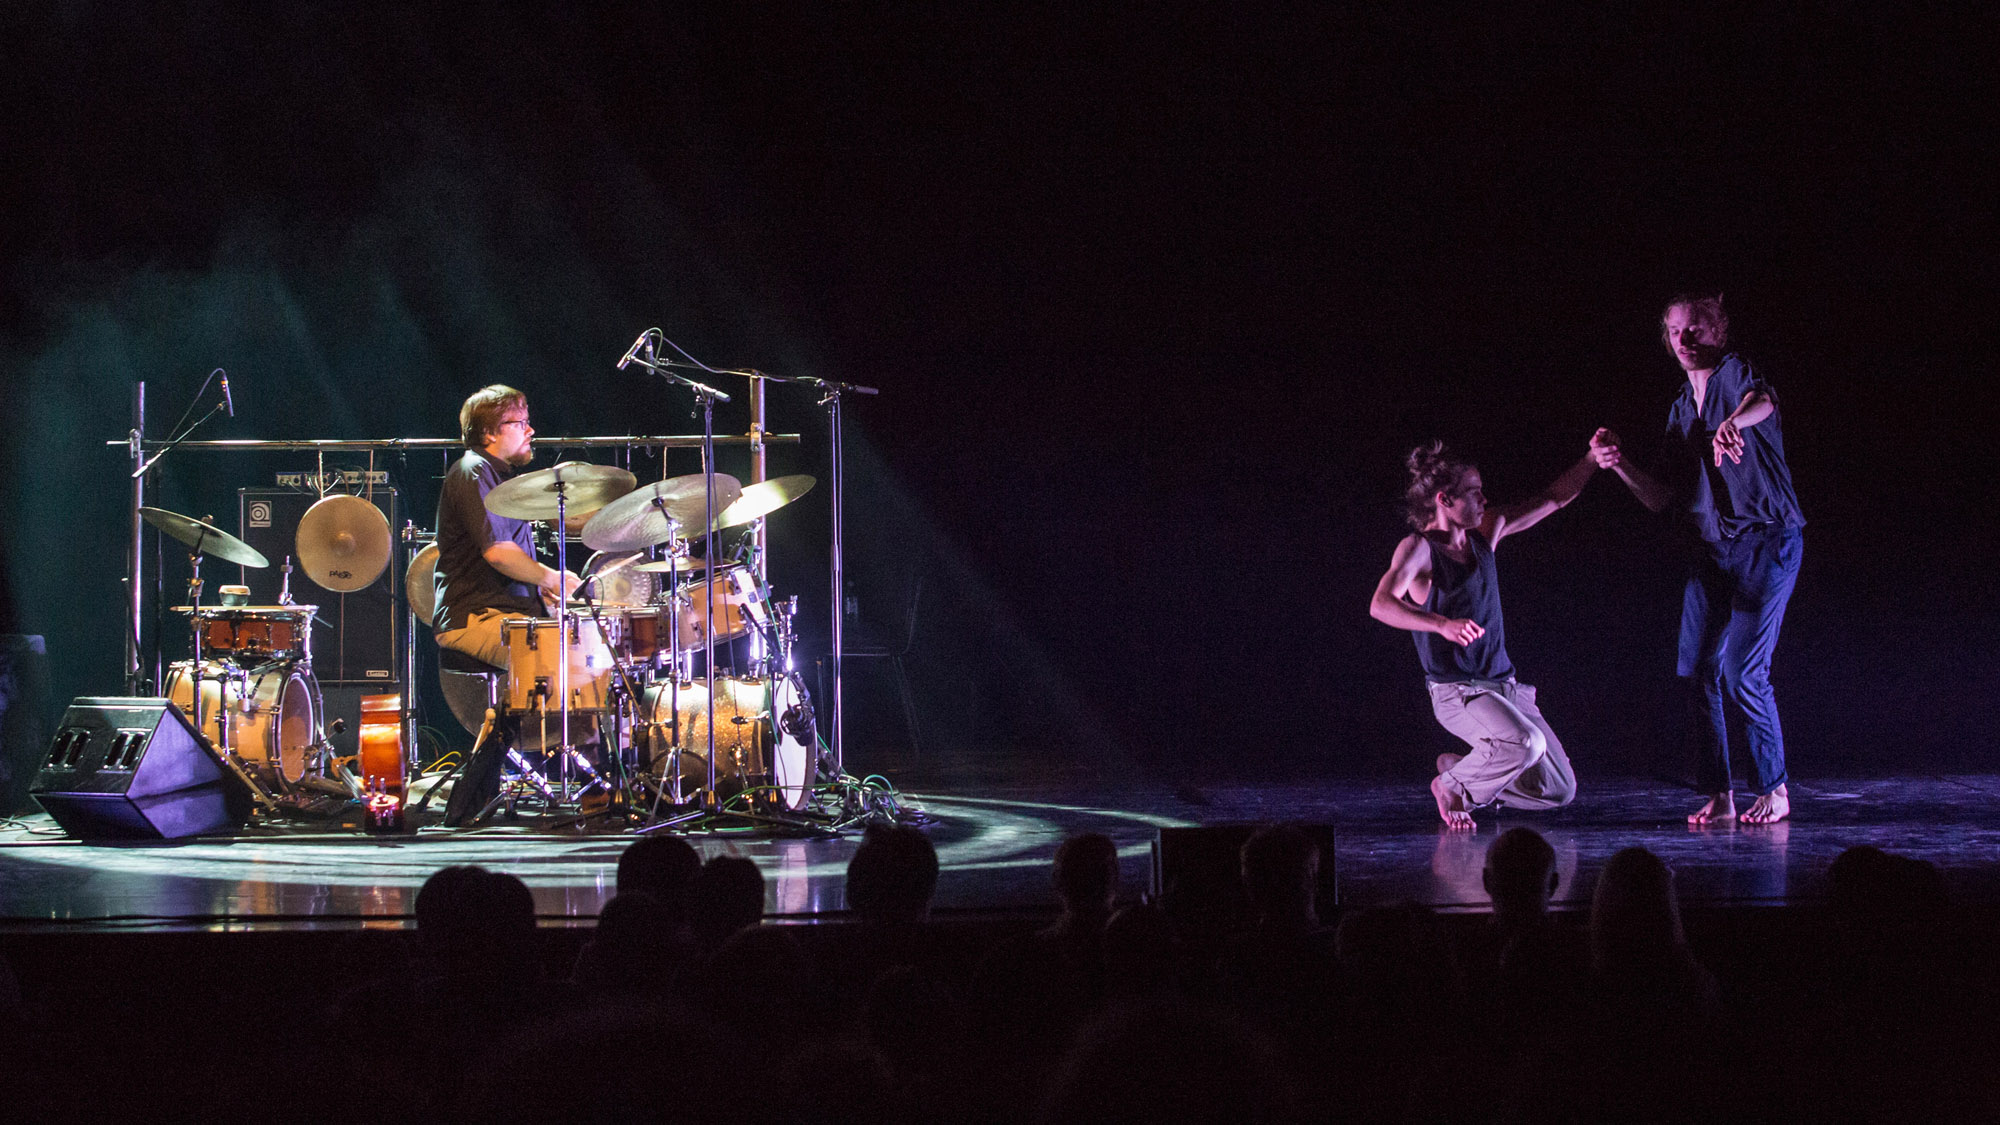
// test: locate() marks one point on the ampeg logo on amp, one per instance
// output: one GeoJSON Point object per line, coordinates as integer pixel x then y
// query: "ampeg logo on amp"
{"type": "Point", "coordinates": [257, 513]}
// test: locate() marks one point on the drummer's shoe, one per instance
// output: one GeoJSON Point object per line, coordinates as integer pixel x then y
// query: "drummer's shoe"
{"type": "Point", "coordinates": [479, 782]}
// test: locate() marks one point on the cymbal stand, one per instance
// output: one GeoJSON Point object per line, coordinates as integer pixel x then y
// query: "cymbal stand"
{"type": "Point", "coordinates": [563, 622]}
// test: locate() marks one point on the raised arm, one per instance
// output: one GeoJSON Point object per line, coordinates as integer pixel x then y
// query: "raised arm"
{"type": "Point", "coordinates": [1392, 605]}
{"type": "Point", "coordinates": [1604, 450]}
{"type": "Point", "coordinates": [1507, 519]}
{"type": "Point", "coordinates": [1755, 406]}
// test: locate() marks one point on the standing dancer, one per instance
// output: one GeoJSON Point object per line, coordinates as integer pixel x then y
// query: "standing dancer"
{"type": "Point", "coordinates": [1442, 586]}
{"type": "Point", "coordinates": [1726, 473]}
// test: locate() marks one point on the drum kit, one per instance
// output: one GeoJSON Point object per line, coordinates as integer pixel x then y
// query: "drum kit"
{"type": "Point", "coordinates": [248, 686]}
{"type": "Point", "coordinates": [613, 669]}
{"type": "Point", "coordinates": [611, 672]}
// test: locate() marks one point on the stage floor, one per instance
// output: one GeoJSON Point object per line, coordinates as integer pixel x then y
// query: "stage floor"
{"type": "Point", "coordinates": [995, 846]}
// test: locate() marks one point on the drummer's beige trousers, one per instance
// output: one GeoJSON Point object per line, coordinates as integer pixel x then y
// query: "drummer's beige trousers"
{"type": "Point", "coordinates": [1515, 758]}
{"type": "Point", "coordinates": [482, 638]}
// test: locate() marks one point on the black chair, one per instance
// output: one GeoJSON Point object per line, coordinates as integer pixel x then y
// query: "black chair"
{"type": "Point", "coordinates": [895, 655]}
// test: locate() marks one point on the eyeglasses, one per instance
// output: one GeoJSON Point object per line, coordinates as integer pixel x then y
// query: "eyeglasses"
{"type": "Point", "coordinates": [515, 422]}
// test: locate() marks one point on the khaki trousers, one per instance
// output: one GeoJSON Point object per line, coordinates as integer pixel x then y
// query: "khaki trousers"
{"type": "Point", "coordinates": [481, 638]}
{"type": "Point", "coordinates": [1515, 759]}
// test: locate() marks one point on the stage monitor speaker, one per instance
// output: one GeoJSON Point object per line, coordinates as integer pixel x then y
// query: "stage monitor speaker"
{"type": "Point", "coordinates": [355, 636]}
{"type": "Point", "coordinates": [133, 768]}
{"type": "Point", "coordinates": [1201, 869]}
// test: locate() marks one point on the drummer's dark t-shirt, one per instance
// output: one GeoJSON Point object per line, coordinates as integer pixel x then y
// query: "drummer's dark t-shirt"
{"type": "Point", "coordinates": [466, 583]}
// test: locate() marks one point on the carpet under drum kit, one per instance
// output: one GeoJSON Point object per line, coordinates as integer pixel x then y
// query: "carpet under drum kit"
{"type": "Point", "coordinates": [614, 706]}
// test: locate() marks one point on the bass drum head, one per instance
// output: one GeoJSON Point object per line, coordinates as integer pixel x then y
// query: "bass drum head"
{"type": "Point", "coordinates": [742, 734]}
{"type": "Point", "coordinates": [298, 724]}
{"type": "Point", "coordinates": [624, 586]}
{"type": "Point", "coordinates": [792, 754]}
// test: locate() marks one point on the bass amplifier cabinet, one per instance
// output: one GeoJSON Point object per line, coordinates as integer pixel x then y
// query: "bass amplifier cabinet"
{"type": "Point", "coordinates": [356, 639]}
{"type": "Point", "coordinates": [133, 768]}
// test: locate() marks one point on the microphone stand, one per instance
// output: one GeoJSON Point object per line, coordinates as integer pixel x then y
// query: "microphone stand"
{"type": "Point", "coordinates": [142, 465]}
{"type": "Point", "coordinates": [833, 392]}
{"type": "Point", "coordinates": [707, 396]}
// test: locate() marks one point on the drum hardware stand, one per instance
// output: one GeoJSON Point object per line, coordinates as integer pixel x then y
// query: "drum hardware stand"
{"type": "Point", "coordinates": [832, 395]}
{"type": "Point", "coordinates": [627, 695]}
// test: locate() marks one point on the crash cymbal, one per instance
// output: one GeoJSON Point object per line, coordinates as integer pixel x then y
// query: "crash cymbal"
{"type": "Point", "coordinates": [206, 539]}
{"type": "Point", "coordinates": [344, 543]}
{"type": "Point", "coordinates": [419, 582]}
{"type": "Point", "coordinates": [532, 496]}
{"type": "Point", "coordinates": [638, 519]}
{"type": "Point", "coordinates": [763, 498]}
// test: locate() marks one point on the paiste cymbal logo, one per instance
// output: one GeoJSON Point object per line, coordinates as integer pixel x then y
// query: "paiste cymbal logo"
{"type": "Point", "coordinates": [340, 574]}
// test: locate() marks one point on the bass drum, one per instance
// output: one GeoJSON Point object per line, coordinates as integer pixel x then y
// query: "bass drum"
{"type": "Point", "coordinates": [273, 714]}
{"type": "Point", "coordinates": [762, 739]}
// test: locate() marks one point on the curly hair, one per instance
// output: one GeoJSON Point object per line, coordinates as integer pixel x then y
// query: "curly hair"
{"type": "Point", "coordinates": [1705, 308]}
{"type": "Point", "coordinates": [1432, 470]}
{"type": "Point", "coordinates": [480, 415]}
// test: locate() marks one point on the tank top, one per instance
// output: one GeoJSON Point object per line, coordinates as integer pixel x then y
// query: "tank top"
{"type": "Point", "coordinates": [1469, 590]}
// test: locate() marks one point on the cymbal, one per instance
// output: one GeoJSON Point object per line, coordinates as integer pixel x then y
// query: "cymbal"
{"type": "Point", "coordinates": [685, 566]}
{"type": "Point", "coordinates": [532, 496]}
{"type": "Point", "coordinates": [636, 520]}
{"type": "Point", "coordinates": [206, 539]}
{"type": "Point", "coordinates": [763, 498]}
{"type": "Point", "coordinates": [344, 543]}
{"type": "Point", "coordinates": [420, 583]}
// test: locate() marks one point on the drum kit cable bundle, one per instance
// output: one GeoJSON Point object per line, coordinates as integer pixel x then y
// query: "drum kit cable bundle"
{"type": "Point", "coordinates": [606, 715]}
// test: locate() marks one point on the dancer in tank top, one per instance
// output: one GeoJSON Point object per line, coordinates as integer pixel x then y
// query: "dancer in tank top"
{"type": "Point", "coordinates": [1443, 587]}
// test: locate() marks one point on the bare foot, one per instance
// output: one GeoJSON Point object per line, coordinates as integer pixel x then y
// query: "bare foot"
{"type": "Point", "coordinates": [1771, 808]}
{"type": "Point", "coordinates": [1451, 806]}
{"type": "Point", "coordinates": [1721, 806]}
{"type": "Point", "coordinates": [1447, 761]}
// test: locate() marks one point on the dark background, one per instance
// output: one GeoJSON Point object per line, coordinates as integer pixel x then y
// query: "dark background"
{"type": "Point", "coordinates": [1157, 301]}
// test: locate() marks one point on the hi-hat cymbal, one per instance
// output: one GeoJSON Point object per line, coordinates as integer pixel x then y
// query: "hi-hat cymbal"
{"type": "Point", "coordinates": [344, 543]}
{"type": "Point", "coordinates": [684, 566]}
{"type": "Point", "coordinates": [763, 498]}
{"type": "Point", "coordinates": [532, 496]}
{"type": "Point", "coordinates": [639, 519]}
{"type": "Point", "coordinates": [206, 539]}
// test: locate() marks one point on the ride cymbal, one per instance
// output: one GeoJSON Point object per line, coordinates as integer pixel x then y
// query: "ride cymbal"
{"type": "Point", "coordinates": [655, 513]}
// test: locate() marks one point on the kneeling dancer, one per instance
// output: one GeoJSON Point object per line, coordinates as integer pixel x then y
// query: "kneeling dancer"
{"type": "Point", "coordinates": [1441, 585]}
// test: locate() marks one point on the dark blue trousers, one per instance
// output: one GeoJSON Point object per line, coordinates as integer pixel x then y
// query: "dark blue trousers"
{"type": "Point", "coordinates": [1730, 614]}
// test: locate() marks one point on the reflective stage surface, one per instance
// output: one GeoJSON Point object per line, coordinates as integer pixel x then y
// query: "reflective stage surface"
{"type": "Point", "coordinates": [995, 847]}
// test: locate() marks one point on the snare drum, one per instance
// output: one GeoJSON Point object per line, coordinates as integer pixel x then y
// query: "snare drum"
{"type": "Point", "coordinates": [534, 664]}
{"type": "Point", "coordinates": [248, 635]}
{"type": "Point", "coordinates": [273, 715]}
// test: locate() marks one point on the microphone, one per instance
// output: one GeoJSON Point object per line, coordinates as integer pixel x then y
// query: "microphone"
{"type": "Point", "coordinates": [632, 352]}
{"type": "Point", "coordinates": [226, 400]}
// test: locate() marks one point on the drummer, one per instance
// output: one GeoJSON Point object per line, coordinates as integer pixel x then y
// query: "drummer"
{"type": "Point", "coordinates": [486, 568]}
